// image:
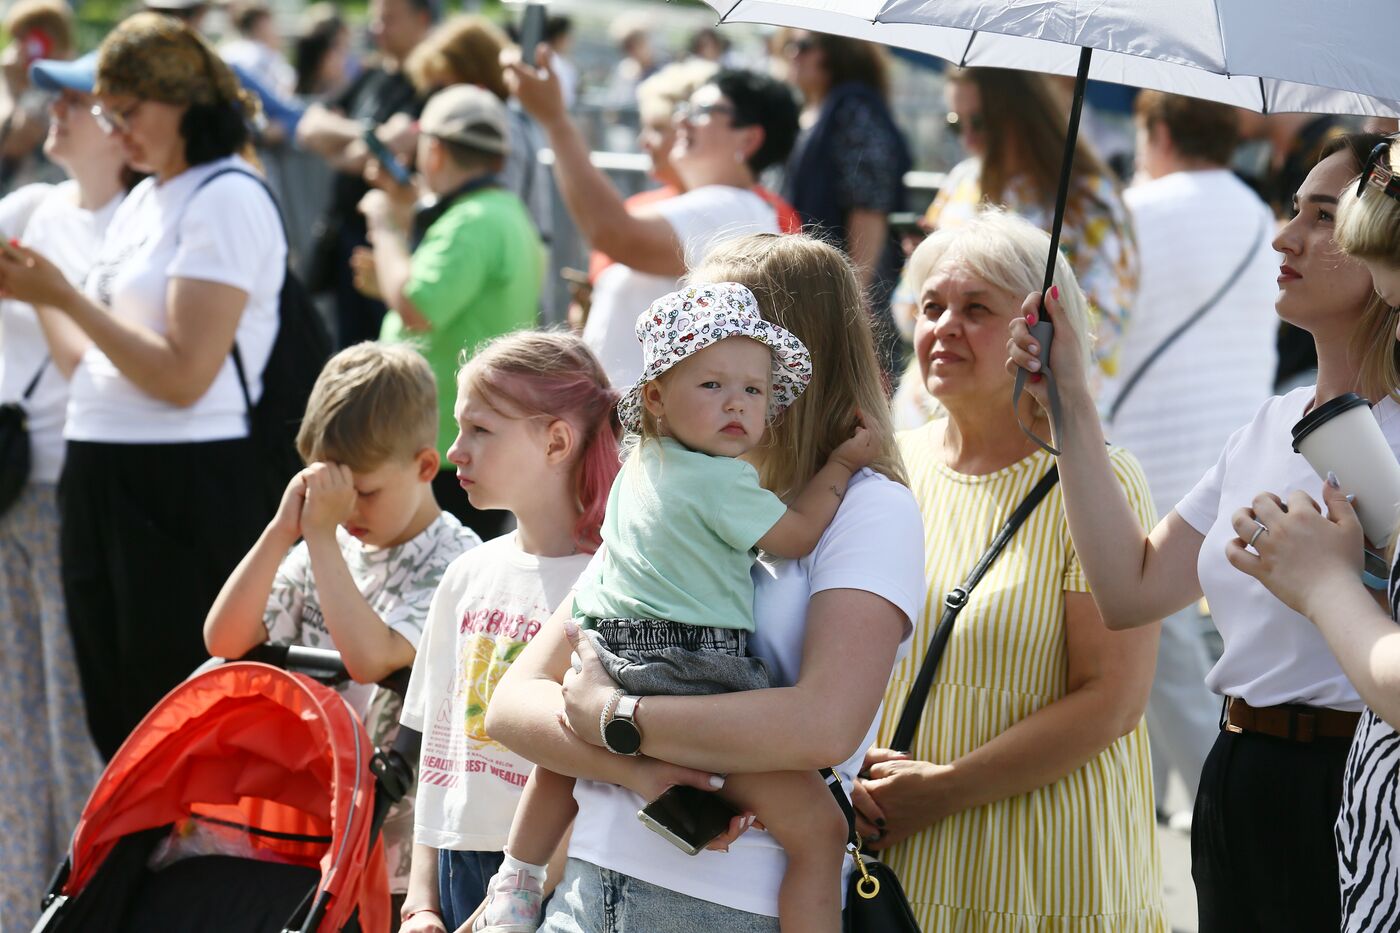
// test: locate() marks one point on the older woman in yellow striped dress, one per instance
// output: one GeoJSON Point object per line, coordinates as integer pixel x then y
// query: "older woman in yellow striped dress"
{"type": "Point", "coordinates": [1026, 804]}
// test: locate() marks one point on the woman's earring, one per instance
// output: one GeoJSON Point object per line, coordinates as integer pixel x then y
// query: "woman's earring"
{"type": "Point", "coordinates": [739, 157]}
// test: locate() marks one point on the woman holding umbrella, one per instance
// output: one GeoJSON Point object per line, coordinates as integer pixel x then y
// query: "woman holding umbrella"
{"type": "Point", "coordinates": [1262, 849]}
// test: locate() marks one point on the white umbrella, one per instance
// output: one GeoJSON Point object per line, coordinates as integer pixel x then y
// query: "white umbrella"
{"type": "Point", "coordinates": [1311, 56]}
{"type": "Point", "coordinates": [1271, 56]}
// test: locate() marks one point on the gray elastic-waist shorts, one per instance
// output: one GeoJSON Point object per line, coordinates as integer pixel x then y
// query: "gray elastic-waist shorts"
{"type": "Point", "coordinates": [649, 657]}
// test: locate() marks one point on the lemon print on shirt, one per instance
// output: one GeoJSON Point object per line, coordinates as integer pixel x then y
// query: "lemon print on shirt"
{"type": "Point", "coordinates": [484, 661]}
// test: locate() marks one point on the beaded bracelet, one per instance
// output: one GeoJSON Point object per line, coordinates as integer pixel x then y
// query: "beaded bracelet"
{"type": "Point", "coordinates": [606, 714]}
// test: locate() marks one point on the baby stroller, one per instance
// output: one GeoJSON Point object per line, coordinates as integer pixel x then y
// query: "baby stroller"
{"type": "Point", "coordinates": [249, 799]}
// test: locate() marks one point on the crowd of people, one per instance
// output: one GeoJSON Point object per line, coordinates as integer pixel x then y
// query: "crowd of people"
{"type": "Point", "coordinates": [704, 533]}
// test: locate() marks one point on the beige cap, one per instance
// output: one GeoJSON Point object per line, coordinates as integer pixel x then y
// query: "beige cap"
{"type": "Point", "coordinates": [469, 115]}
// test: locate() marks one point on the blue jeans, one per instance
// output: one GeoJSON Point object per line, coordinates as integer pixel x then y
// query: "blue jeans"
{"type": "Point", "coordinates": [590, 899]}
{"type": "Point", "coordinates": [462, 879]}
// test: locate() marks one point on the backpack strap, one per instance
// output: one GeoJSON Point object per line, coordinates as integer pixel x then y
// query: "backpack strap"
{"type": "Point", "coordinates": [238, 357]}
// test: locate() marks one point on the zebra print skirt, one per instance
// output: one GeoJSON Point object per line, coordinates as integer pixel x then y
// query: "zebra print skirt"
{"type": "Point", "coordinates": [1368, 830]}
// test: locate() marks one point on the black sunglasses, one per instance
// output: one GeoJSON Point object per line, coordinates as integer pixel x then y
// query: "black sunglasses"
{"type": "Point", "coordinates": [1377, 172]}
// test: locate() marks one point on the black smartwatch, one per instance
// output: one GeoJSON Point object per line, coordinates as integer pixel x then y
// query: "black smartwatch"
{"type": "Point", "coordinates": [621, 734]}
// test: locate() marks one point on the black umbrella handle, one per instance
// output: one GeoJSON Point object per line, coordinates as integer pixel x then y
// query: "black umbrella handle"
{"type": "Point", "coordinates": [1043, 331]}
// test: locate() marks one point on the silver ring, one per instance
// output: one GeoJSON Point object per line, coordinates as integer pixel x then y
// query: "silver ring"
{"type": "Point", "coordinates": [1260, 529]}
{"type": "Point", "coordinates": [576, 662]}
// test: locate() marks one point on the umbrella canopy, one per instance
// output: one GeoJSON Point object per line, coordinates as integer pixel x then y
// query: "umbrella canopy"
{"type": "Point", "coordinates": [1269, 56]}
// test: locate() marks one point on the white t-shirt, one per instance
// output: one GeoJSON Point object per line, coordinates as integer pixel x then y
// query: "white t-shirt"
{"type": "Point", "coordinates": [228, 233]}
{"type": "Point", "coordinates": [266, 65]}
{"type": "Point", "coordinates": [70, 237]}
{"type": "Point", "coordinates": [1193, 231]}
{"type": "Point", "coordinates": [875, 544]}
{"type": "Point", "coordinates": [490, 604]}
{"type": "Point", "coordinates": [1272, 655]}
{"type": "Point", "coordinates": [702, 219]}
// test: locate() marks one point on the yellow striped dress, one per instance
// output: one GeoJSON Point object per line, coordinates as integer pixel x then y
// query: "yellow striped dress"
{"type": "Point", "coordinates": [1080, 854]}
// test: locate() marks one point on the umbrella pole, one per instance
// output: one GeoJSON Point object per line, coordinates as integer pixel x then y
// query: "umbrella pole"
{"type": "Point", "coordinates": [1067, 164]}
{"type": "Point", "coordinates": [1041, 330]}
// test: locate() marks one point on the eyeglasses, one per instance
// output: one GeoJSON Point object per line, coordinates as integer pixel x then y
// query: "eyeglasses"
{"type": "Point", "coordinates": [699, 114]}
{"type": "Point", "coordinates": [1377, 171]}
{"type": "Point", "coordinates": [114, 121]}
{"type": "Point", "coordinates": [974, 123]}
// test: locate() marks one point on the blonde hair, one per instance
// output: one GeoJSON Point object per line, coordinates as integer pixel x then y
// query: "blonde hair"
{"type": "Point", "coordinates": [809, 287]}
{"type": "Point", "coordinates": [1368, 228]}
{"type": "Point", "coordinates": [659, 95]}
{"type": "Point", "coordinates": [371, 404]}
{"type": "Point", "coordinates": [463, 50]}
{"type": "Point", "coordinates": [54, 17]}
{"type": "Point", "coordinates": [1008, 252]}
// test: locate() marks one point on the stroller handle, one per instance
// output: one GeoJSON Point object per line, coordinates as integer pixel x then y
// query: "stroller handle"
{"type": "Point", "coordinates": [323, 664]}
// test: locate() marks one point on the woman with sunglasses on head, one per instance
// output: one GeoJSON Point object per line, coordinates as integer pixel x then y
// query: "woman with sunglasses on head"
{"type": "Point", "coordinates": [1261, 837]}
{"type": "Point", "coordinates": [1012, 126]}
{"type": "Point", "coordinates": [1311, 561]}
{"type": "Point", "coordinates": [162, 491]}
{"type": "Point", "coordinates": [732, 128]}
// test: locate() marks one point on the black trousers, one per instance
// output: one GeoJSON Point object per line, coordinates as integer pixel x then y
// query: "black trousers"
{"type": "Point", "coordinates": [1263, 854]}
{"type": "Point", "coordinates": [150, 532]}
{"type": "Point", "coordinates": [452, 498]}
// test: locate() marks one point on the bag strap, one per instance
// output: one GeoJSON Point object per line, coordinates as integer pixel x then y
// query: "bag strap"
{"type": "Point", "coordinates": [34, 383]}
{"type": "Point", "coordinates": [1160, 350]}
{"type": "Point", "coordinates": [953, 604]}
{"type": "Point", "coordinates": [238, 357]}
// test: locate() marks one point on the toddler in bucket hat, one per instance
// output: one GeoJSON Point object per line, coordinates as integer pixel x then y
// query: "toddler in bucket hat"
{"type": "Point", "coordinates": [668, 607]}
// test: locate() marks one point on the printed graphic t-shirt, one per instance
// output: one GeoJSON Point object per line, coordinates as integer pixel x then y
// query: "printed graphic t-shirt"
{"type": "Point", "coordinates": [492, 602]}
{"type": "Point", "coordinates": [398, 583]}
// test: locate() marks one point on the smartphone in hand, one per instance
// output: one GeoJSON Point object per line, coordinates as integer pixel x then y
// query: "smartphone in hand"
{"type": "Point", "coordinates": [532, 26]}
{"type": "Point", "coordinates": [687, 817]}
{"type": "Point", "coordinates": [386, 158]}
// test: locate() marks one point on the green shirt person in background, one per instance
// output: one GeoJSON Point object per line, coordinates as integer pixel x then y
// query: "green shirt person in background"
{"type": "Point", "coordinates": [459, 272]}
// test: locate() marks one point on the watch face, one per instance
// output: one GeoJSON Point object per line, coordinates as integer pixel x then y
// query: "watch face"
{"type": "Point", "coordinates": [623, 736]}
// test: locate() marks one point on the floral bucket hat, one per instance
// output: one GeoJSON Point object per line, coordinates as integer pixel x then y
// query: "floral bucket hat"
{"type": "Point", "coordinates": [682, 323]}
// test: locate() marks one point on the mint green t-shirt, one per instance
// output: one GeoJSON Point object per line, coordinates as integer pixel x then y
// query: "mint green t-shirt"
{"type": "Point", "coordinates": [678, 536]}
{"type": "Point", "coordinates": [476, 275]}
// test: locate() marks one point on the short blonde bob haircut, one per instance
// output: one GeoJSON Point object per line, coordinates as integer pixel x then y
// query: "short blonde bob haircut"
{"type": "Point", "coordinates": [463, 50]}
{"type": "Point", "coordinates": [373, 403]}
{"type": "Point", "coordinates": [809, 287]}
{"type": "Point", "coordinates": [1006, 252]}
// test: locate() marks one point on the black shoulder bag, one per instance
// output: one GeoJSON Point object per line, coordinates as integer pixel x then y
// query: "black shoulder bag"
{"type": "Point", "coordinates": [14, 444]}
{"type": "Point", "coordinates": [875, 900]}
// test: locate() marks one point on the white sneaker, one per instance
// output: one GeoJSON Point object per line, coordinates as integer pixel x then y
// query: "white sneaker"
{"type": "Point", "coordinates": [513, 902]}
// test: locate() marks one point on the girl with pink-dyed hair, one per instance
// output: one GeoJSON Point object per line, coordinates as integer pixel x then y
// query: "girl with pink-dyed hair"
{"type": "Point", "coordinates": [537, 436]}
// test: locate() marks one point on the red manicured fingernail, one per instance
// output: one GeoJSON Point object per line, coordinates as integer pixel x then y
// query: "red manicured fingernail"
{"type": "Point", "coordinates": [1030, 318]}
{"type": "Point", "coordinates": [1035, 377]}
{"type": "Point", "coordinates": [1055, 292]}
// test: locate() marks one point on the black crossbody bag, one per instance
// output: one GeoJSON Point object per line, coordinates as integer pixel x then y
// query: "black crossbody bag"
{"type": "Point", "coordinates": [14, 443]}
{"type": "Point", "coordinates": [875, 900]}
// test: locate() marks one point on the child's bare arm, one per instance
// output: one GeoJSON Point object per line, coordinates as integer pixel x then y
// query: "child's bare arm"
{"type": "Point", "coordinates": [369, 649]}
{"type": "Point", "coordinates": [799, 530]}
{"type": "Point", "coordinates": [235, 621]}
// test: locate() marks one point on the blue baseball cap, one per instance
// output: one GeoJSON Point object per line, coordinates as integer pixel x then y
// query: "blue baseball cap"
{"type": "Point", "coordinates": [52, 74]}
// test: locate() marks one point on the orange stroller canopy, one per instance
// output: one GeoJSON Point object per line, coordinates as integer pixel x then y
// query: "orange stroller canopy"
{"type": "Point", "coordinates": [250, 745]}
